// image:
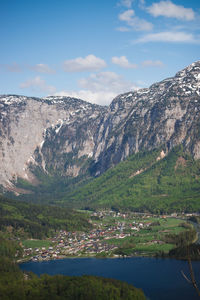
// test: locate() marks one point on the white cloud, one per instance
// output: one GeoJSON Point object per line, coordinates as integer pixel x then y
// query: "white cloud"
{"type": "Point", "coordinates": [170, 10]}
{"type": "Point", "coordinates": [89, 63]}
{"type": "Point", "coordinates": [123, 62]}
{"type": "Point", "coordinates": [100, 88]}
{"type": "Point", "coordinates": [38, 85]}
{"type": "Point", "coordinates": [42, 68]}
{"type": "Point", "coordinates": [134, 22]}
{"type": "Point", "coordinates": [168, 36]}
{"type": "Point", "coordinates": [126, 3]}
{"type": "Point", "coordinates": [14, 68]}
{"type": "Point", "coordinates": [106, 81]}
{"type": "Point", "coordinates": [123, 29]}
{"type": "Point", "coordinates": [151, 63]}
{"type": "Point", "coordinates": [127, 15]}
{"type": "Point", "coordinates": [100, 97]}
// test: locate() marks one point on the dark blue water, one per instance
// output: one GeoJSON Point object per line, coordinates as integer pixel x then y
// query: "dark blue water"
{"type": "Point", "coordinates": [160, 279]}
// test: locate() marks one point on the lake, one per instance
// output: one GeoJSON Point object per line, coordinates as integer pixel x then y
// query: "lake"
{"type": "Point", "coordinates": [160, 279]}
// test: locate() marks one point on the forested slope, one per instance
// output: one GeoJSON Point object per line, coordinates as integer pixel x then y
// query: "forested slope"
{"type": "Point", "coordinates": [38, 221]}
{"type": "Point", "coordinates": [146, 182]}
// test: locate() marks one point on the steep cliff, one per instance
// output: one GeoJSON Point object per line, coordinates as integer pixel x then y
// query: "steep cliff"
{"type": "Point", "coordinates": [166, 114]}
{"type": "Point", "coordinates": [67, 136]}
{"type": "Point", "coordinates": [48, 133]}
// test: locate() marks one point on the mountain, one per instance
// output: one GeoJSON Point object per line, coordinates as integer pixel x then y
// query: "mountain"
{"type": "Point", "coordinates": [166, 114]}
{"type": "Point", "coordinates": [53, 134]}
{"type": "Point", "coordinates": [53, 139]}
{"type": "Point", "coordinates": [145, 181]}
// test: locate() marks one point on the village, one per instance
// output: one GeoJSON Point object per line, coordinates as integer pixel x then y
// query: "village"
{"type": "Point", "coordinates": [106, 225]}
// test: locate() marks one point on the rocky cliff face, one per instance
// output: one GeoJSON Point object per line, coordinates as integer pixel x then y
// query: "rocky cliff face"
{"type": "Point", "coordinates": [50, 133]}
{"type": "Point", "coordinates": [166, 114]}
{"type": "Point", "coordinates": [67, 136]}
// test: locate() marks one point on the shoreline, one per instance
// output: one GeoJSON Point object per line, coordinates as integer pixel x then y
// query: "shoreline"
{"type": "Point", "coordinates": [21, 261]}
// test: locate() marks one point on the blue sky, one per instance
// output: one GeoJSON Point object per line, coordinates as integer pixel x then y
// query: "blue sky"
{"type": "Point", "coordinates": [94, 50]}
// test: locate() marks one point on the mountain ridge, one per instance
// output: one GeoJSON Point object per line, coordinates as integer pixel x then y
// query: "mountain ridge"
{"type": "Point", "coordinates": [73, 138]}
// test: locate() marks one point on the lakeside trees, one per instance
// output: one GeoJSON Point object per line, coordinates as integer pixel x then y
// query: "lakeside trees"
{"type": "Point", "coordinates": [15, 285]}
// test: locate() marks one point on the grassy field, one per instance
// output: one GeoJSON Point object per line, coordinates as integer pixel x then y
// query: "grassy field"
{"type": "Point", "coordinates": [36, 243]}
{"type": "Point", "coordinates": [153, 248]}
{"type": "Point", "coordinates": [149, 240]}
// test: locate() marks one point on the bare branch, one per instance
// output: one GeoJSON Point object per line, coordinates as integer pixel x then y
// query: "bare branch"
{"type": "Point", "coordinates": [185, 277]}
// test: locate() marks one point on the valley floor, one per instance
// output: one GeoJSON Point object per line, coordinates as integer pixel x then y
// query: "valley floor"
{"type": "Point", "coordinates": [114, 235]}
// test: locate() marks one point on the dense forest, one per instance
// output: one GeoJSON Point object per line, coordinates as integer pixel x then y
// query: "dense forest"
{"type": "Point", "coordinates": [38, 221]}
{"type": "Point", "coordinates": [144, 182]}
{"type": "Point", "coordinates": [14, 286]}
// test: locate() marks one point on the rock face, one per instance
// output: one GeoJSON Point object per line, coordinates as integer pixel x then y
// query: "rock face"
{"type": "Point", "coordinates": [68, 136]}
{"type": "Point", "coordinates": [49, 133]}
{"type": "Point", "coordinates": [166, 114]}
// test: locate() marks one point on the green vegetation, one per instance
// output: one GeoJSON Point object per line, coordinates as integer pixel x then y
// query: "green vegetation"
{"type": "Point", "coordinates": [20, 220]}
{"type": "Point", "coordinates": [36, 243]}
{"type": "Point", "coordinates": [23, 220]}
{"type": "Point", "coordinates": [9, 248]}
{"type": "Point", "coordinates": [15, 285]}
{"type": "Point", "coordinates": [27, 220]}
{"type": "Point", "coordinates": [195, 219]}
{"type": "Point", "coordinates": [185, 252]}
{"type": "Point", "coordinates": [51, 188]}
{"type": "Point", "coordinates": [161, 236]}
{"type": "Point", "coordinates": [143, 183]}
{"type": "Point", "coordinates": [159, 244]}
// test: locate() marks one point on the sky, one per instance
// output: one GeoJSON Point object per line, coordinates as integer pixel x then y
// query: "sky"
{"type": "Point", "coordinates": [94, 50]}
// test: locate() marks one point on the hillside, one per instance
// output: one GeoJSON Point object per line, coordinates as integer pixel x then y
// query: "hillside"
{"type": "Point", "coordinates": [27, 220]}
{"type": "Point", "coordinates": [146, 181]}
